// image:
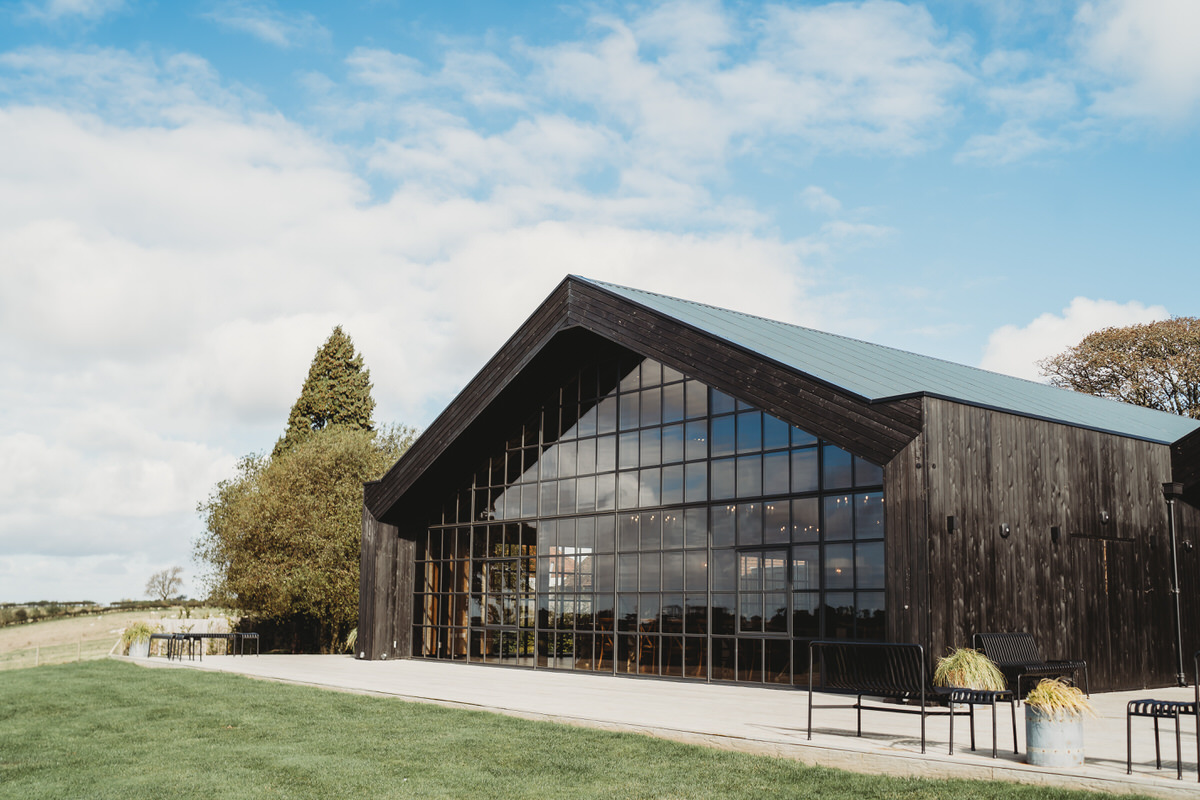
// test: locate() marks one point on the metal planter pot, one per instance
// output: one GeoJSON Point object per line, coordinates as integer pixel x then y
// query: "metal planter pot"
{"type": "Point", "coordinates": [139, 649]}
{"type": "Point", "coordinates": [1053, 741]}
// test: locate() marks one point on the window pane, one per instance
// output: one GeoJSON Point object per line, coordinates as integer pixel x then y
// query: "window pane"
{"type": "Point", "coordinates": [631, 376]}
{"type": "Point", "coordinates": [651, 407]}
{"type": "Point", "coordinates": [629, 450]}
{"type": "Point", "coordinates": [695, 526]}
{"type": "Point", "coordinates": [871, 619]}
{"type": "Point", "coordinates": [695, 479]}
{"type": "Point", "coordinates": [775, 473]}
{"type": "Point", "coordinates": [672, 399]}
{"type": "Point", "coordinates": [629, 411]}
{"type": "Point", "coordinates": [605, 527]}
{"type": "Point", "coordinates": [697, 440]}
{"type": "Point", "coordinates": [774, 566]}
{"type": "Point", "coordinates": [720, 403]}
{"type": "Point", "coordinates": [724, 436]}
{"type": "Point", "coordinates": [802, 438]}
{"type": "Point", "coordinates": [839, 566]}
{"type": "Point", "coordinates": [806, 567]}
{"type": "Point", "coordinates": [651, 572]}
{"type": "Point", "coordinates": [566, 497]}
{"type": "Point", "coordinates": [606, 492]}
{"type": "Point", "coordinates": [651, 372]}
{"type": "Point", "coordinates": [606, 454]}
{"type": "Point", "coordinates": [868, 565]}
{"type": "Point", "coordinates": [866, 473]}
{"type": "Point", "coordinates": [673, 529]}
{"type": "Point", "coordinates": [696, 399]}
{"type": "Point", "coordinates": [723, 525]}
{"type": "Point", "coordinates": [672, 444]}
{"type": "Point", "coordinates": [723, 479]}
{"type": "Point", "coordinates": [839, 522]}
{"type": "Point", "coordinates": [604, 574]}
{"type": "Point", "coordinates": [672, 484]}
{"type": "Point", "coordinates": [650, 487]}
{"type": "Point", "coordinates": [587, 423]}
{"type": "Point", "coordinates": [868, 516]}
{"type": "Point", "coordinates": [695, 570]}
{"type": "Point", "coordinates": [628, 532]}
{"type": "Point", "coordinates": [566, 459]}
{"type": "Point", "coordinates": [775, 612]}
{"type": "Point", "coordinates": [751, 611]}
{"type": "Point", "coordinates": [750, 572]}
{"type": "Point", "coordinates": [627, 573]}
{"type": "Point", "coordinates": [586, 458]}
{"type": "Point", "coordinates": [805, 615]}
{"type": "Point", "coordinates": [775, 433]}
{"type": "Point", "coordinates": [749, 523]}
{"type": "Point", "coordinates": [651, 449]}
{"type": "Point", "coordinates": [649, 531]}
{"type": "Point", "coordinates": [839, 615]}
{"type": "Point", "coordinates": [835, 467]}
{"type": "Point", "coordinates": [695, 657]}
{"type": "Point", "coordinates": [566, 535]}
{"type": "Point", "coordinates": [627, 489]}
{"type": "Point", "coordinates": [606, 415]}
{"type": "Point", "coordinates": [804, 470]}
{"type": "Point", "coordinates": [670, 375]}
{"type": "Point", "coordinates": [806, 519]}
{"type": "Point", "coordinates": [585, 494]}
{"type": "Point", "coordinates": [723, 615]}
{"type": "Point", "coordinates": [549, 498]}
{"type": "Point", "coordinates": [749, 432]}
{"type": "Point", "coordinates": [549, 463]}
{"type": "Point", "coordinates": [724, 570]}
{"type": "Point", "coordinates": [672, 571]}
{"type": "Point", "coordinates": [749, 476]}
{"type": "Point", "coordinates": [776, 527]}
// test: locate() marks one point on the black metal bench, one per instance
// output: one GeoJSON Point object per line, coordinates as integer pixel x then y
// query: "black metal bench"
{"type": "Point", "coordinates": [895, 672]}
{"type": "Point", "coordinates": [1017, 656]}
{"type": "Point", "coordinates": [1165, 709]}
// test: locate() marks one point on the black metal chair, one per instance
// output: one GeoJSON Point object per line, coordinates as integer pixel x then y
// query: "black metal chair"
{"type": "Point", "coordinates": [1165, 709]}
{"type": "Point", "coordinates": [1018, 657]}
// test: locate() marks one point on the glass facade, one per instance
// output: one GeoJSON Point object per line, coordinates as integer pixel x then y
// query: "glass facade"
{"type": "Point", "coordinates": [642, 522]}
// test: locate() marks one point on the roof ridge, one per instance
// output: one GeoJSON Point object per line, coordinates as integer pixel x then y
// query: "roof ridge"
{"type": "Point", "coordinates": [841, 336]}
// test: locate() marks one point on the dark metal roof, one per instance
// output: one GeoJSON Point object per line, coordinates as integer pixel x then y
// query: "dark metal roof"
{"type": "Point", "coordinates": [877, 373]}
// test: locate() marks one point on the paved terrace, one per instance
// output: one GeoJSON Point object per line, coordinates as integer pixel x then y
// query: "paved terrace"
{"type": "Point", "coordinates": [757, 720]}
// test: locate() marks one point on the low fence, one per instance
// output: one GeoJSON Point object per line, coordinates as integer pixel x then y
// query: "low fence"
{"type": "Point", "coordinates": [80, 650]}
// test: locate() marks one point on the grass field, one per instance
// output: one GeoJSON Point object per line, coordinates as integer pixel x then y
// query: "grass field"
{"type": "Point", "coordinates": [107, 729]}
{"type": "Point", "coordinates": [57, 641]}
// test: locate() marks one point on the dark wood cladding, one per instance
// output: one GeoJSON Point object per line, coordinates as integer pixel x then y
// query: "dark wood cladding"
{"type": "Point", "coordinates": [1101, 592]}
{"type": "Point", "coordinates": [385, 590]}
{"type": "Point", "coordinates": [1185, 466]}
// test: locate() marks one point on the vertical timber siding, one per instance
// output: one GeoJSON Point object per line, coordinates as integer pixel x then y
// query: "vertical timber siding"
{"type": "Point", "coordinates": [385, 590]}
{"type": "Point", "coordinates": [1101, 592]}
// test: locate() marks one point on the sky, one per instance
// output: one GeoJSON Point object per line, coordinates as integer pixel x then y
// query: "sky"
{"type": "Point", "coordinates": [193, 194]}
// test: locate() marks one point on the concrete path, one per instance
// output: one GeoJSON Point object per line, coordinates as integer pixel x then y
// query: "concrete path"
{"type": "Point", "coordinates": [758, 720]}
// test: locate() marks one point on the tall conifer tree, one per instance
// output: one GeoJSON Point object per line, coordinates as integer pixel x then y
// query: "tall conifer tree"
{"type": "Point", "coordinates": [337, 391]}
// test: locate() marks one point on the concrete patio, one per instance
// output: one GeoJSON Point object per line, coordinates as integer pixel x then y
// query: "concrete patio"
{"type": "Point", "coordinates": [757, 720]}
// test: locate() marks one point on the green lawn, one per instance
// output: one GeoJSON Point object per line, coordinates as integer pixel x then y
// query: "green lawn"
{"type": "Point", "coordinates": [108, 729]}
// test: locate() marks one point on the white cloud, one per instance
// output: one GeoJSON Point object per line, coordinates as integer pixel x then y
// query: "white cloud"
{"type": "Point", "coordinates": [817, 199]}
{"type": "Point", "coordinates": [1147, 49]}
{"type": "Point", "coordinates": [1016, 350]}
{"type": "Point", "coordinates": [1016, 140]}
{"type": "Point", "coordinates": [265, 22]}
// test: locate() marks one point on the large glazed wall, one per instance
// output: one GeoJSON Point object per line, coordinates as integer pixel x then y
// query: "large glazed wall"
{"type": "Point", "coordinates": [1100, 590]}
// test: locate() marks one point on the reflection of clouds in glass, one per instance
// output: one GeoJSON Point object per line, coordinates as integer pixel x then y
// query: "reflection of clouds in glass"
{"type": "Point", "coordinates": [627, 489]}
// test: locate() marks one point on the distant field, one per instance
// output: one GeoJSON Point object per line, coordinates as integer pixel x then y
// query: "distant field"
{"type": "Point", "coordinates": [71, 638]}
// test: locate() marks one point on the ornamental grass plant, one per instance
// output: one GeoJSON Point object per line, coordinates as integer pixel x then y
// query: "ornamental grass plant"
{"type": "Point", "coordinates": [965, 668]}
{"type": "Point", "coordinates": [1059, 700]}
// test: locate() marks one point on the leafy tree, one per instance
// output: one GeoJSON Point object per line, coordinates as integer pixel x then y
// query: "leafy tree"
{"type": "Point", "coordinates": [283, 535]}
{"type": "Point", "coordinates": [1156, 365]}
{"type": "Point", "coordinates": [165, 584]}
{"type": "Point", "coordinates": [337, 391]}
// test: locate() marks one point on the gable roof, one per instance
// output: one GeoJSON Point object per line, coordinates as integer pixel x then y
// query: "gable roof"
{"type": "Point", "coordinates": [863, 397]}
{"type": "Point", "coordinates": [877, 373]}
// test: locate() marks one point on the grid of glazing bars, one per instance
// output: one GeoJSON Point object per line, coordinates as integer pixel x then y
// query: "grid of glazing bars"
{"type": "Point", "coordinates": [645, 523]}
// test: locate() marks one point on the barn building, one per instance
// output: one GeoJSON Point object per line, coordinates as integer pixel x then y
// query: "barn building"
{"type": "Point", "coordinates": [637, 484]}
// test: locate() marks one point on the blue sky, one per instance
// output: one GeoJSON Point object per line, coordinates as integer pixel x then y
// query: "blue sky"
{"type": "Point", "coordinates": [193, 194]}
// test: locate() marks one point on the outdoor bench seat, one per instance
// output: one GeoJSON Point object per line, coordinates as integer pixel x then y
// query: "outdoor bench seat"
{"type": "Point", "coordinates": [1018, 657]}
{"type": "Point", "coordinates": [1165, 709]}
{"type": "Point", "coordinates": [894, 672]}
